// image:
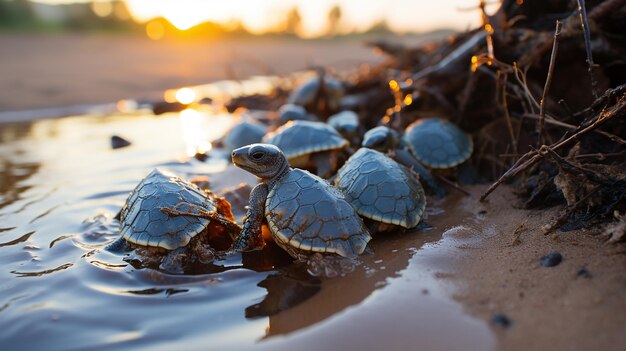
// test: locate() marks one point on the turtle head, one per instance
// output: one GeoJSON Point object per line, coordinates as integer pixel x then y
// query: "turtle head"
{"type": "Point", "coordinates": [265, 161]}
{"type": "Point", "coordinates": [381, 139]}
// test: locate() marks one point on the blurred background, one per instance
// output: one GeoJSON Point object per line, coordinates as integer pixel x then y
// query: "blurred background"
{"type": "Point", "coordinates": [60, 52]}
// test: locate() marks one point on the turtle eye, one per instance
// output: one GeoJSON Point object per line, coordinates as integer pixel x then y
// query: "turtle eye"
{"type": "Point", "coordinates": [258, 155]}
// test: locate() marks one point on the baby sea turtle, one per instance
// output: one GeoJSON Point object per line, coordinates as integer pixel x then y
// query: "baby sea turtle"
{"type": "Point", "coordinates": [292, 112]}
{"type": "Point", "coordinates": [310, 145]}
{"type": "Point", "coordinates": [381, 138]}
{"type": "Point", "coordinates": [304, 213]}
{"type": "Point", "coordinates": [309, 93]}
{"type": "Point", "coordinates": [347, 124]}
{"type": "Point", "coordinates": [387, 140]}
{"type": "Point", "coordinates": [164, 217]}
{"type": "Point", "coordinates": [437, 143]}
{"type": "Point", "coordinates": [244, 133]}
{"type": "Point", "coordinates": [381, 190]}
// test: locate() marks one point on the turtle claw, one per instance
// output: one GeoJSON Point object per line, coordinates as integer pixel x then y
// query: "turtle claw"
{"type": "Point", "coordinates": [174, 261]}
{"type": "Point", "coordinates": [118, 246]}
{"type": "Point", "coordinates": [319, 265]}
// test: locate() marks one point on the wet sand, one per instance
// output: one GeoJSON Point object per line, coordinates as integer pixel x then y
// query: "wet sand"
{"type": "Point", "coordinates": [55, 70]}
{"type": "Point", "coordinates": [488, 267]}
{"type": "Point", "coordinates": [576, 305]}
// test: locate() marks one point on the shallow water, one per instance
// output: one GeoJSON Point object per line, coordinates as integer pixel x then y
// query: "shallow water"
{"type": "Point", "coordinates": [60, 186]}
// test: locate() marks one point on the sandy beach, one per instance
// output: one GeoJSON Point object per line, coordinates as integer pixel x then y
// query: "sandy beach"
{"type": "Point", "coordinates": [495, 275]}
{"type": "Point", "coordinates": [66, 69]}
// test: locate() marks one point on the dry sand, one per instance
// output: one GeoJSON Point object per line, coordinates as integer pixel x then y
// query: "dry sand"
{"type": "Point", "coordinates": [55, 70]}
{"type": "Point", "coordinates": [579, 304]}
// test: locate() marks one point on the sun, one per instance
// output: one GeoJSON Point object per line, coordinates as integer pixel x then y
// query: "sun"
{"type": "Point", "coordinates": [184, 19]}
{"type": "Point", "coordinates": [183, 14]}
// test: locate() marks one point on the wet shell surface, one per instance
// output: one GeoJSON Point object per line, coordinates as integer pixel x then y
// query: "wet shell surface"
{"type": "Point", "coordinates": [306, 213]}
{"type": "Point", "coordinates": [298, 138]}
{"type": "Point", "coordinates": [438, 143]}
{"type": "Point", "coordinates": [244, 133]}
{"type": "Point", "coordinates": [380, 189]}
{"type": "Point", "coordinates": [305, 94]}
{"type": "Point", "coordinates": [143, 223]}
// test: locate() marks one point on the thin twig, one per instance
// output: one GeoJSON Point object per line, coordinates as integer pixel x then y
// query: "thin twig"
{"type": "Point", "coordinates": [601, 156]}
{"type": "Point", "coordinates": [555, 122]}
{"type": "Point", "coordinates": [453, 184]}
{"type": "Point", "coordinates": [546, 88]}
{"type": "Point", "coordinates": [531, 157]}
{"type": "Point", "coordinates": [507, 115]}
{"type": "Point", "coordinates": [228, 224]}
{"type": "Point", "coordinates": [585, 26]}
{"type": "Point", "coordinates": [521, 79]}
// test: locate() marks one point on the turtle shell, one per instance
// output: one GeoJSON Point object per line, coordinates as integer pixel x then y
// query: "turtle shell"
{"type": "Point", "coordinates": [305, 94]}
{"type": "Point", "coordinates": [381, 138]}
{"type": "Point", "coordinates": [244, 133]}
{"type": "Point", "coordinates": [143, 222]}
{"type": "Point", "coordinates": [305, 213]}
{"type": "Point", "coordinates": [438, 143]}
{"type": "Point", "coordinates": [380, 189]}
{"type": "Point", "coordinates": [345, 120]}
{"type": "Point", "coordinates": [291, 112]}
{"type": "Point", "coordinates": [298, 138]}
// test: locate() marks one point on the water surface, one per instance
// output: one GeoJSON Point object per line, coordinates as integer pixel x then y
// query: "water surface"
{"type": "Point", "coordinates": [61, 183]}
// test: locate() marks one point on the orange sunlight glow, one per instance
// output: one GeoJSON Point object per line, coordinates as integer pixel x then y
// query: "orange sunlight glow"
{"type": "Point", "coordinates": [185, 96]}
{"type": "Point", "coordinates": [260, 16]}
{"type": "Point", "coordinates": [184, 14]}
{"type": "Point", "coordinates": [196, 140]}
{"type": "Point", "coordinates": [155, 30]}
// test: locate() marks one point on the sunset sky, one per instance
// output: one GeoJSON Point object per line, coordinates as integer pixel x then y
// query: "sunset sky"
{"type": "Point", "coordinates": [261, 15]}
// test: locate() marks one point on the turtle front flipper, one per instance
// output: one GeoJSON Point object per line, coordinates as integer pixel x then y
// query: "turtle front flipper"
{"type": "Point", "coordinates": [251, 236]}
{"type": "Point", "coordinates": [118, 246]}
{"type": "Point", "coordinates": [403, 157]}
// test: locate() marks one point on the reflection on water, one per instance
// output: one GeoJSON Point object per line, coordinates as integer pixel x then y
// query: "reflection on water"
{"type": "Point", "coordinates": [61, 185]}
{"type": "Point", "coordinates": [44, 272]}
{"type": "Point", "coordinates": [21, 239]}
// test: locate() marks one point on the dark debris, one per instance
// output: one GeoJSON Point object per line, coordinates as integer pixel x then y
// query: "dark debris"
{"type": "Point", "coordinates": [551, 259]}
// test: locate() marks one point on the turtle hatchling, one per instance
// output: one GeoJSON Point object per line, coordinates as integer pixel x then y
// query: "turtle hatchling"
{"type": "Point", "coordinates": [348, 125]}
{"type": "Point", "coordinates": [291, 112]}
{"type": "Point", "coordinates": [243, 133]}
{"type": "Point", "coordinates": [381, 190]}
{"type": "Point", "coordinates": [385, 139]}
{"type": "Point", "coordinates": [170, 222]}
{"type": "Point", "coordinates": [438, 143]}
{"type": "Point", "coordinates": [306, 94]}
{"type": "Point", "coordinates": [304, 213]}
{"type": "Point", "coordinates": [314, 146]}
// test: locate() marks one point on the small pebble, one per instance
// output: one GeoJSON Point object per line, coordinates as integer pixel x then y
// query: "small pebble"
{"type": "Point", "coordinates": [117, 142]}
{"type": "Point", "coordinates": [482, 212]}
{"type": "Point", "coordinates": [161, 107]}
{"type": "Point", "coordinates": [583, 273]}
{"type": "Point", "coordinates": [201, 156]}
{"type": "Point", "coordinates": [552, 259]}
{"type": "Point", "coordinates": [501, 320]}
